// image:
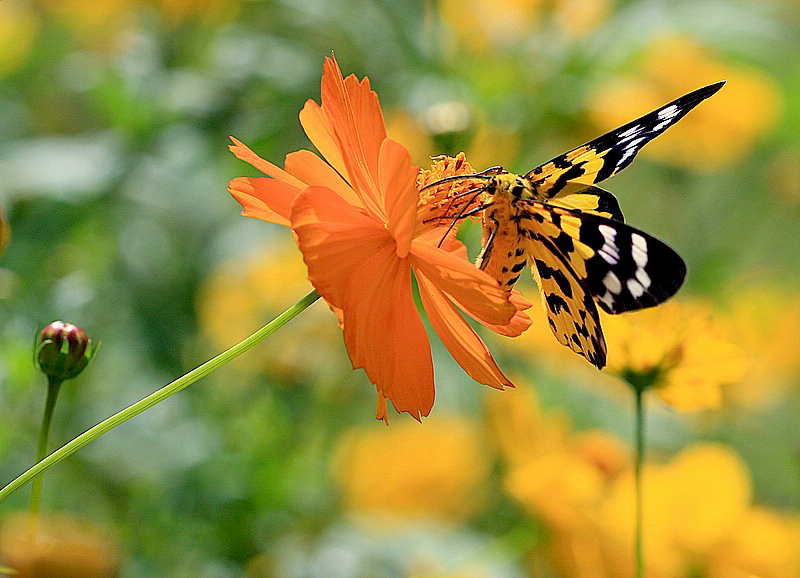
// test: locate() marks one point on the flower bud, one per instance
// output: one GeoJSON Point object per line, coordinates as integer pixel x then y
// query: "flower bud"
{"type": "Point", "coordinates": [63, 350]}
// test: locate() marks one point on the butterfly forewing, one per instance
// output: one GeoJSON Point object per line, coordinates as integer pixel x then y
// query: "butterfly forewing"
{"type": "Point", "coordinates": [610, 153]}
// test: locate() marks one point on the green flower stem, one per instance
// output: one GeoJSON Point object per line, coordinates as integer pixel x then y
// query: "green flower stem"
{"type": "Point", "coordinates": [53, 387]}
{"type": "Point", "coordinates": [158, 396]}
{"type": "Point", "coordinates": [637, 469]}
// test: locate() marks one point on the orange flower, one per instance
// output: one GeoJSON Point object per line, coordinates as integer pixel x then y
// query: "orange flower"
{"type": "Point", "coordinates": [357, 222]}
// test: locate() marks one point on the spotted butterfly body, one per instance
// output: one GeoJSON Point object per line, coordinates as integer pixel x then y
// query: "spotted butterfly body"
{"type": "Point", "coordinates": [573, 235]}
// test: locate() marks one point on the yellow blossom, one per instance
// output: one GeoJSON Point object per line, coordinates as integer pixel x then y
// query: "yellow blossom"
{"type": "Point", "coordinates": [692, 505]}
{"type": "Point", "coordinates": [485, 143]}
{"type": "Point", "coordinates": [62, 547]}
{"type": "Point", "coordinates": [479, 26]}
{"type": "Point", "coordinates": [557, 474]}
{"type": "Point", "coordinates": [713, 136]}
{"type": "Point", "coordinates": [241, 294]}
{"type": "Point", "coordinates": [698, 513]}
{"type": "Point", "coordinates": [765, 319]}
{"type": "Point", "coordinates": [763, 544]}
{"type": "Point", "coordinates": [94, 22]}
{"type": "Point", "coordinates": [431, 471]}
{"type": "Point", "coordinates": [18, 30]}
{"type": "Point", "coordinates": [679, 349]}
{"type": "Point", "coordinates": [211, 12]}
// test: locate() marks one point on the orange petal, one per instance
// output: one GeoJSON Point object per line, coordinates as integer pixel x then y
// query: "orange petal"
{"type": "Point", "coordinates": [264, 198]}
{"type": "Point", "coordinates": [357, 121]}
{"type": "Point", "coordinates": [320, 132]}
{"type": "Point", "coordinates": [335, 238]}
{"type": "Point", "coordinates": [352, 261]}
{"type": "Point", "coordinates": [311, 169]}
{"type": "Point", "coordinates": [519, 323]}
{"type": "Point", "coordinates": [398, 182]}
{"type": "Point", "coordinates": [475, 291]}
{"type": "Point", "coordinates": [460, 339]}
{"type": "Point", "coordinates": [385, 335]}
{"type": "Point", "coordinates": [243, 153]}
{"type": "Point", "coordinates": [436, 238]}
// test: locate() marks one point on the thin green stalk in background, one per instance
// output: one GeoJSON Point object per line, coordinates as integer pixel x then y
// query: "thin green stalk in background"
{"type": "Point", "coordinates": [53, 387]}
{"type": "Point", "coordinates": [637, 469]}
{"type": "Point", "coordinates": [157, 397]}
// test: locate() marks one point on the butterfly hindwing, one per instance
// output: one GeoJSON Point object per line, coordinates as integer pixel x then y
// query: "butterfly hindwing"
{"type": "Point", "coordinates": [610, 153]}
{"type": "Point", "coordinates": [571, 310]}
{"type": "Point", "coordinates": [623, 268]}
{"type": "Point", "coordinates": [589, 199]}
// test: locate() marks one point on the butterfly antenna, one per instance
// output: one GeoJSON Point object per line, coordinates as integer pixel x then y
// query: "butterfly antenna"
{"type": "Point", "coordinates": [455, 178]}
{"type": "Point", "coordinates": [462, 213]}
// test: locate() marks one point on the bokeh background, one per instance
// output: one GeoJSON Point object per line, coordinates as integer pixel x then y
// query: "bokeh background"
{"type": "Point", "coordinates": [114, 125]}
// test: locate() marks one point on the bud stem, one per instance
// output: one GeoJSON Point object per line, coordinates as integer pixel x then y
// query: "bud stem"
{"type": "Point", "coordinates": [157, 397]}
{"type": "Point", "coordinates": [53, 387]}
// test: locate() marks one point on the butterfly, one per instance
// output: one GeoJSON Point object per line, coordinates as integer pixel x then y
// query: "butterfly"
{"type": "Point", "coordinates": [573, 234]}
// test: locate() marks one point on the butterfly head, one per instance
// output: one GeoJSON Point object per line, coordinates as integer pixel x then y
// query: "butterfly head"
{"type": "Point", "coordinates": [511, 187]}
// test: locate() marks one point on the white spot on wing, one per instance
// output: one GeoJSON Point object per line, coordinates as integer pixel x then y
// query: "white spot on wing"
{"type": "Point", "coordinates": [635, 288]}
{"type": "Point", "coordinates": [643, 277]}
{"type": "Point", "coordinates": [668, 112]}
{"type": "Point", "coordinates": [612, 283]}
{"type": "Point", "coordinates": [639, 249]}
{"type": "Point", "coordinates": [609, 233]}
{"type": "Point", "coordinates": [609, 251]}
{"type": "Point", "coordinates": [631, 131]}
{"type": "Point", "coordinates": [608, 299]}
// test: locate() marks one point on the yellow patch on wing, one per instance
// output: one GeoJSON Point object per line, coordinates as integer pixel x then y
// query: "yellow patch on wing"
{"type": "Point", "coordinates": [571, 311]}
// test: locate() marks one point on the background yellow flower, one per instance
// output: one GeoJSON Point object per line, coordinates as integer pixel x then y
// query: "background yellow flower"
{"type": "Point", "coordinates": [406, 471]}
{"type": "Point", "coordinates": [680, 349]}
{"type": "Point", "coordinates": [18, 29]}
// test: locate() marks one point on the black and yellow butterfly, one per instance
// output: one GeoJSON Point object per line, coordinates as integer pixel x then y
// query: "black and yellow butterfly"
{"type": "Point", "coordinates": [573, 234]}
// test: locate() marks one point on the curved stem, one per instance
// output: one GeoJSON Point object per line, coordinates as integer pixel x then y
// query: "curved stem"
{"type": "Point", "coordinates": [53, 387]}
{"type": "Point", "coordinates": [638, 459]}
{"type": "Point", "coordinates": [157, 397]}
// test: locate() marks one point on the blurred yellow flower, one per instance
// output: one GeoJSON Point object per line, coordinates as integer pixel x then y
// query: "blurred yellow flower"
{"type": "Point", "coordinates": [763, 544]}
{"type": "Point", "coordinates": [684, 350]}
{"type": "Point", "coordinates": [18, 30]}
{"type": "Point", "coordinates": [679, 350]}
{"type": "Point", "coordinates": [436, 470]}
{"type": "Point", "coordinates": [698, 520]}
{"type": "Point", "coordinates": [711, 137]}
{"type": "Point", "coordinates": [94, 22]}
{"type": "Point", "coordinates": [485, 144]}
{"type": "Point", "coordinates": [698, 513]}
{"type": "Point", "coordinates": [482, 26]}
{"type": "Point", "coordinates": [557, 474]}
{"type": "Point", "coordinates": [242, 294]}
{"type": "Point", "coordinates": [765, 320]}
{"type": "Point", "coordinates": [63, 547]}
{"type": "Point", "coordinates": [207, 12]}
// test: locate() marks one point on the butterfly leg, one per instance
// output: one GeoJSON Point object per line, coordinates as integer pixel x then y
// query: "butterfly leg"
{"type": "Point", "coordinates": [483, 258]}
